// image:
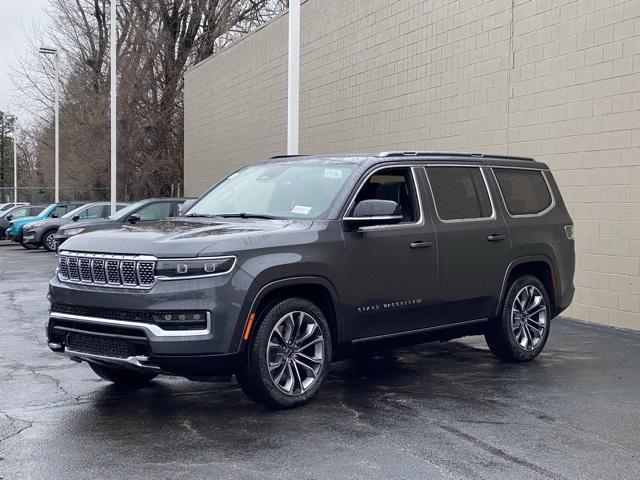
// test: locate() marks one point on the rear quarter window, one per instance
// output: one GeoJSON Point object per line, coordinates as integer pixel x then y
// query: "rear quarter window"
{"type": "Point", "coordinates": [525, 192]}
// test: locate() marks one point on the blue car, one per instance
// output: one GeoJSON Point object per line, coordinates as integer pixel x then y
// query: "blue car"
{"type": "Point", "coordinates": [55, 210]}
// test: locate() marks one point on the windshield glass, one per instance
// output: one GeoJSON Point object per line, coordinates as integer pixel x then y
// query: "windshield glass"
{"type": "Point", "coordinates": [75, 211]}
{"type": "Point", "coordinates": [279, 190]}
{"type": "Point", "coordinates": [45, 213]}
{"type": "Point", "coordinates": [126, 211]}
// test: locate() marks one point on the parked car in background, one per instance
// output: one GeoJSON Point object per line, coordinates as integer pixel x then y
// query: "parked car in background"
{"type": "Point", "coordinates": [17, 212]}
{"type": "Point", "coordinates": [289, 264]}
{"type": "Point", "coordinates": [139, 212]}
{"type": "Point", "coordinates": [7, 206]}
{"type": "Point", "coordinates": [55, 210]}
{"type": "Point", "coordinates": [42, 232]}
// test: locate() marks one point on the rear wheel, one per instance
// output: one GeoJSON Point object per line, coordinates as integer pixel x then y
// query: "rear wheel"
{"type": "Point", "coordinates": [49, 242]}
{"type": "Point", "coordinates": [288, 357]}
{"type": "Point", "coordinates": [520, 332]}
{"type": "Point", "coordinates": [121, 376]}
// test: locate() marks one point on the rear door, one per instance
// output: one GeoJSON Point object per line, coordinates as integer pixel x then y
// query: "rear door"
{"type": "Point", "coordinates": [473, 242]}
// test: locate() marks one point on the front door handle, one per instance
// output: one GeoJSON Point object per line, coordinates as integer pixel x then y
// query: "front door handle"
{"type": "Point", "coordinates": [496, 237]}
{"type": "Point", "coordinates": [420, 244]}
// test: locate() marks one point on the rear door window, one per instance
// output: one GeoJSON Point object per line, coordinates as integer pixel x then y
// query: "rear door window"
{"type": "Point", "coordinates": [525, 192]}
{"type": "Point", "coordinates": [460, 193]}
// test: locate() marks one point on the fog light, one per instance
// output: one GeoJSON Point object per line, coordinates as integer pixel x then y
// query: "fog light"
{"type": "Point", "coordinates": [186, 320]}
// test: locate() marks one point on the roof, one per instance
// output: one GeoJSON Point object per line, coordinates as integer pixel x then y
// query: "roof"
{"type": "Point", "coordinates": [409, 156]}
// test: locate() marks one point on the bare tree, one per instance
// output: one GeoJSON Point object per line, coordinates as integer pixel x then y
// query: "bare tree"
{"type": "Point", "coordinates": [158, 40]}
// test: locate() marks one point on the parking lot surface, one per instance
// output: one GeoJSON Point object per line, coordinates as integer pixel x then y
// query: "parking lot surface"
{"type": "Point", "coordinates": [435, 411]}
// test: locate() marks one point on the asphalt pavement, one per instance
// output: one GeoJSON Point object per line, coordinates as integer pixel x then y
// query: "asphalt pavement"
{"type": "Point", "coordinates": [436, 411]}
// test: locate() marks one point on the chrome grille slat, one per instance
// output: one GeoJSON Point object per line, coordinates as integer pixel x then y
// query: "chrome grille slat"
{"type": "Point", "coordinates": [124, 271]}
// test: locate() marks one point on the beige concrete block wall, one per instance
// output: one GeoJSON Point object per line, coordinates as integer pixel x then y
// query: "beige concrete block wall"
{"type": "Point", "coordinates": [557, 79]}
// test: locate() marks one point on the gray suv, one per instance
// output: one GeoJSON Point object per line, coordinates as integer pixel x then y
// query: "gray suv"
{"type": "Point", "coordinates": [289, 264]}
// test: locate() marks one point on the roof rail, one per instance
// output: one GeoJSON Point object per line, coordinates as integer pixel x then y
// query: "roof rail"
{"type": "Point", "coordinates": [287, 156]}
{"type": "Point", "coordinates": [451, 154]}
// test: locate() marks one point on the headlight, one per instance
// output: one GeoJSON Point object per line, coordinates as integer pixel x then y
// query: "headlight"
{"type": "Point", "coordinates": [196, 267]}
{"type": "Point", "coordinates": [73, 231]}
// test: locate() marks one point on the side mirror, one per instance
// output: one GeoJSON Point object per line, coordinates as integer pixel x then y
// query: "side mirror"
{"type": "Point", "coordinates": [76, 218]}
{"type": "Point", "coordinates": [133, 218]}
{"type": "Point", "coordinates": [373, 212]}
{"type": "Point", "coordinates": [9, 217]}
{"type": "Point", "coordinates": [54, 215]}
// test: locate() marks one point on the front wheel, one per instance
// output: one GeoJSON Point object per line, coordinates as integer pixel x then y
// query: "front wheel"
{"type": "Point", "coordinates": [121, 376]}
{"type": "Point", "coordinates": [289, 355]}
{"type": "Point", "coordinates": [49, 241]}
{"type": "Point", "coordinates": [520, 332]}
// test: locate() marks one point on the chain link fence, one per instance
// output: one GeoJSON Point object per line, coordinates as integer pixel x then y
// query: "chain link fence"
{"type": "Point", "coordinates": [47, 194]}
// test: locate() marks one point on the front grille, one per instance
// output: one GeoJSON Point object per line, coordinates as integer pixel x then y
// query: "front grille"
{"type": "Point", "coordinates": [105, 347]}
{"type": "Point", "coordinates": [130, 271]}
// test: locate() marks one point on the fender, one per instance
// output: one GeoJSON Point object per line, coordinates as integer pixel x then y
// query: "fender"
{"type": "Point", "coordinates": [289, 282]}
{"type": "Point", "coordinates": [519, 261]}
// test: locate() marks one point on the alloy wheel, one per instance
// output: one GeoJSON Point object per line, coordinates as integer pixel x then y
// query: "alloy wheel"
{"type": "Point", "coordinates": [529, 317]}
{"type": "Point", "coordinates": [295, 353]}
{"type": "Point", "coordinates": [50, 242]}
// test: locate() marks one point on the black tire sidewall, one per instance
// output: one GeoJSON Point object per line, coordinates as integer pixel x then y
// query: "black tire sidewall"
{"type": "Point", "coordinates": [515, 350]}
{"type": "Point", "coordinates": [256, 380]}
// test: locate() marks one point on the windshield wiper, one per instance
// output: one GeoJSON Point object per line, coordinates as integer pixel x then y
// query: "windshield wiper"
{"type": "Point", "coordinates": [248, 215]}
{"type": "Point", "coordinates": [202, 215]}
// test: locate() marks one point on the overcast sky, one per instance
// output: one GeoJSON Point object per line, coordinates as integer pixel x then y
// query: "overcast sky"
{"type": "Point", "coordinates": [16, 19]}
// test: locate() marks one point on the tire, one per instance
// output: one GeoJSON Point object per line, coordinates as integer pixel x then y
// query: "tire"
{"type": "Point", "coordinates": [508, 336]}
{"type": "Point", "coordinates": [299, 362]}
{"type": "Point", "coordinates": [29, 246]}
{"type": "Point", "coordinates": [49, 242]}
{"type": "Point", "coordinates": [121, 376]}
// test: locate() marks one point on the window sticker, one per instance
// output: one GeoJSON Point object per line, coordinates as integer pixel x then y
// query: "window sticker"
{"type": "Point", "coordinates": [332, 173]}
{"type": "Point", "coordinates": [301, 209]}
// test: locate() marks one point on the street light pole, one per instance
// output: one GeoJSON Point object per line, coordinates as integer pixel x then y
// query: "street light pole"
{"type": "Point", "coordinates": [293, 102]}
{"type": "Point", "coordinates": [114, 91]}
{"type": "Point", "coordinates": [54, 52]}
{"type": "Point", "coordinates": [15, 165]}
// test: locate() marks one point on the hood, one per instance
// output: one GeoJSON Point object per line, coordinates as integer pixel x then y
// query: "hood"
{"type": "Point", "coordinates": [20, 222]}
{"type": "Point", "coordinates": [183, 237]}
{"type": "Point", "coordinates": [47, 223]}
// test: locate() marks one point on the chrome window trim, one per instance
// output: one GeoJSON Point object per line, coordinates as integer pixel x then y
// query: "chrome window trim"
{"type": "Point", "coordinates": [417, 223]}
{"type": "Point", "coordinates": [154, 330]}
{"type": "Point", "coordinates": [490, 218]}
{"type": "Point", "coordinates": [527, 215]}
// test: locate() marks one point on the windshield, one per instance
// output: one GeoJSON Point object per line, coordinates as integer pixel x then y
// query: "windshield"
{"type": "Point", "coordinates": [279, 190]}
{"type": "Point", "coordinates": [126, 211]}
{"type": "Point", "coordinates": [45, 213]}
{"type": "Point", "coordinates": [75, 211]}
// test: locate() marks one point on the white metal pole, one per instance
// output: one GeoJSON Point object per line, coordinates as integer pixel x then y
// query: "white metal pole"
{"type": "Point", "coordinates": [57, 128]}
{"type": "Point", "coordinates": [15, 165]}
{"type": "Point", "coordinates": [114, 90]}
{"type": "Point", "coordinates": [293, 114]}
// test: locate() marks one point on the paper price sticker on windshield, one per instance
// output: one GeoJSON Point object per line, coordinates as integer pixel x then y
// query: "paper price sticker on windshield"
{"type": "Point", "coordinates": [332, 173]}
{"type": "Point", "coordinates": [301, 210]}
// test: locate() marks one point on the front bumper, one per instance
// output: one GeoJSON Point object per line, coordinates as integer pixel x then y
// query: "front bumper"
{"type": "Point", "coordinates": [31, 238]}
{"type": "Point", "coordinates": [209, 351]}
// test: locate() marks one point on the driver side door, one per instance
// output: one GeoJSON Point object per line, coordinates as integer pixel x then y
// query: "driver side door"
{"type": "Point", "coordinates": [391, 273]}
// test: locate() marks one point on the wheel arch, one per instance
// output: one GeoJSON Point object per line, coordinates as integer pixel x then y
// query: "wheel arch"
{"type": "Point", "coordinates": [316, 289]}
{"type": "Point", "coordinates": [541, 267]}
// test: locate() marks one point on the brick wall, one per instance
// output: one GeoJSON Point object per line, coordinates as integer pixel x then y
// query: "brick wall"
{"type": "Point", "coordinates": [556, 79]}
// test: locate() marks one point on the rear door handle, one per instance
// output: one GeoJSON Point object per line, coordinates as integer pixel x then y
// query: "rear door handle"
{"type": "Point", "coordinates": [496, 237]}
{"type": "Point", "coordinates": [420, 244]}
